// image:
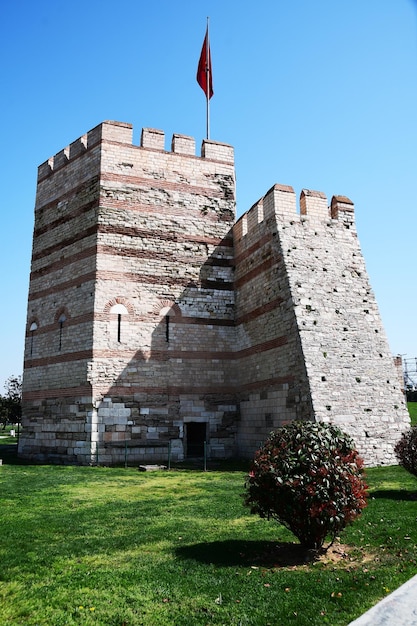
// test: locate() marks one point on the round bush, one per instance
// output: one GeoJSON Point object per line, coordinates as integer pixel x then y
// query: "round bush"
{"type": "Point", "coordinates": [406, 450]}
{"type": "Point", "coordinates": [308, 477]}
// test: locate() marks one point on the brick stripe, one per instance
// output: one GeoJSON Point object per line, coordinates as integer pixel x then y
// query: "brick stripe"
{"type": "Point", "coordinates": [81, 280]}
{"type": "Point", "coordinates": [163, 185]}
{"type": "Point", "coordinates": [178, 237]}
{"type": "Point", "coordinates": [259, 348]}
{"type": "Point", "coordinates": [203, 389]}
{"type": "Point", "coordinates": [158, 209]}
{"type": "Point", "coordinates": [201, 321]}
{"type": "Point", "coordinates": [159, 355]}
{"type": "Point", "coordinates": [171, 390]}
{"type": "Point", "coordinates": [174, 256]}
{"type": "Point", "coordinates": [252, 250]}
{"type": "Point", "coordinates": [64, 219]}
{"type": "Point", "coordinates": [254, 273]}
{"type": "Point", "coordinates": [134, 319]}
{"type": "Point", "coordinates": [63, 243]}
{"type": "Point", "coordinates": [152, 279]}
{"type": "Point", "coordinates": [44, 394]}
{"type": "Point", "coordinates": [87, 253]}
{"type": "Point", "coordinates": [265, 308]}
{"type": "Point", "coordinates": [126, 252]}
{"type": "Point", "coordinates": [63, 357]}
{"type": "Point", "coordinates": [226, 242]}
{"type": "Point", "coordinates": [271, 382]}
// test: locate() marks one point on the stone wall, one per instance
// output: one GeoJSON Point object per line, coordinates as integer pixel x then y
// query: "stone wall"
{"type": "Point", "coordinates": [273, 380]}
{"type": "Point", "coordinates": [131, 298]}
{"type": "Point", "coordinates": [156, 322]}
{"type": "Point", "coordinates": [309, 289]}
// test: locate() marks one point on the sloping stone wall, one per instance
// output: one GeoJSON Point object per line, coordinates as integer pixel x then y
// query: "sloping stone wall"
{"type": "Point", "coordinates": [334, 364]}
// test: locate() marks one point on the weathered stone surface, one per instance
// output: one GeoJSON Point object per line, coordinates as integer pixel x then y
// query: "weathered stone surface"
{"type": "Point", "coordinates": [156, 322]}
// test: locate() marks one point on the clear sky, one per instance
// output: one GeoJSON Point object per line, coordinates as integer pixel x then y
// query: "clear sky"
{"type": "Point", "coordinates": [314, 94]}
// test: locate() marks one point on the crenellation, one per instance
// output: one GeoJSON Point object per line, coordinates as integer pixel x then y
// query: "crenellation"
{"type": "Point", "coordinates": [61, 158]}
{"type": "Point", "coordinates": [45, 168]}
{"type": "Point", "coordinates": [342, 208]}
{"type": "Point", "coordinates": [113, 135]}
{"type": "Point", "coordinates": [240, 228]}
{"type": "Point", "coordinates": [314, 204]}
{"type": "Point", "coordinates": [280, 201]}
{"type": "Point", "coordinates": [152, 138]}
{"type": "Point", "coordinates": [182, 144]}
{"type": "Point", "coordinates": [78, 147]}
{"type": "Point", "coordinates": [119, 132]}
{"type": "Point", "coordinates": [217, 151]}
{"type": "Point", "coordinates": [255, 215]}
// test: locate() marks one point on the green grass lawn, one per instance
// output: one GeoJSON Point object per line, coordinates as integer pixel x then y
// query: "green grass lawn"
{"type": "Point", "coordinates": [117, 547]}
{"type": "Point", "coordinates": [412, 409]}
{"type": "Point", "coordinates": [6, 438]}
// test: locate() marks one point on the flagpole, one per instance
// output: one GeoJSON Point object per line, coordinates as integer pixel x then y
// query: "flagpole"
{"type": "Point", "coordinates": [204, 75]}
{"type": "Point", "coordinates": [208, 82]}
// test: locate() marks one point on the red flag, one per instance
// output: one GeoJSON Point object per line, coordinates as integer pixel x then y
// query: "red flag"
{"type": "Point", "coordinates": [204, 76]}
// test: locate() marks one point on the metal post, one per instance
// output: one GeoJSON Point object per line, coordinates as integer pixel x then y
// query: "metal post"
{"type": "Point", "coordinates": [208, 81]}
{"type": "Point", "coordinates": [205, 456]}
{"type": "Point", "coordinates": [169, 454]}
{"type": "Point", "coordinates": [125, 453]}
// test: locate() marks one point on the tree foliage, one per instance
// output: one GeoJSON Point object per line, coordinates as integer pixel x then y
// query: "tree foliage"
{"type": "Point", "coordinates": [308, 477]}
{"type": "Point", "coordinates": [406, 450]}
{"type": "Point", "coordinates": [11, 403]}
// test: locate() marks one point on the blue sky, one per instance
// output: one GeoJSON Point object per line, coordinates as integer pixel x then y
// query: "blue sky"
{"type": "Point", "coordinates": [318, 95]}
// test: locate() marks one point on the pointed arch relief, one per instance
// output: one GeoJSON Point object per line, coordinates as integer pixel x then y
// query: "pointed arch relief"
{"type": "Point", "coordinates": [117, 309]}
{"type": "Point", "coordinates": [119, 305]}
{"type": "Point", "coordinates": [33, 325]}
{"type": "Point", "coordinates": [61, 317]}
{"type": "Point", "coordinates": [167, 309]}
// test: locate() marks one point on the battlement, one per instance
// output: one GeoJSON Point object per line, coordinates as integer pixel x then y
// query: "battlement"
{"type": "Point", "coordinates": [151, 139]}
{"type": "Point", "coordinates": [280, 202]}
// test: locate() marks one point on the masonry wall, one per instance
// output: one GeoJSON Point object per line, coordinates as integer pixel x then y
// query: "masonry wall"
{"type": "Point", "coordinates": [165, 254]}
{"type": "Point", "coordinates": [133, 250]}
{"type": "Point", "coordinates": [154, 318]}
{"type": "Point", "coordinates": [273, 380]}
{"type": "Point", "coordinates": [337, 365]}
{"type": "Point", "coordinates": [59, 334]}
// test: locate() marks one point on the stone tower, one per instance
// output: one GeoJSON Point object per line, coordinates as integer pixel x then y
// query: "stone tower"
{"type": "Point", "coordinates": [157, 325]}
{"type": "Point", "coordinates": [303, 295]}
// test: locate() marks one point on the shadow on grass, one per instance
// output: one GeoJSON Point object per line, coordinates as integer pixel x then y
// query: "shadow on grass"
{"type": "Point", "coordinates": [246, 553]}
{"type": "Point", "coordinates": [8, 454]}
{"type": "Point", "coordinates": [213, 465]}
{"type": "Point", "coordinates": [395, 494]}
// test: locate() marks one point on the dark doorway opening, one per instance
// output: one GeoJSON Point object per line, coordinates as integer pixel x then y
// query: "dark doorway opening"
{"type": "Point", "coordinates": [196, 436]}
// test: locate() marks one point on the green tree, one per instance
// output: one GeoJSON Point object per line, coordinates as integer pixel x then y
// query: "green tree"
{"type": "Point", "coordinates": [11, 402]}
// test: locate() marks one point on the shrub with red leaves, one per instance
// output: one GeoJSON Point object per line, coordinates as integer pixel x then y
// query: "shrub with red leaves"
{"type": "Point", "coordinates": [406, 450]}
{"type": "Point", "coordinates": [308, 477]}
